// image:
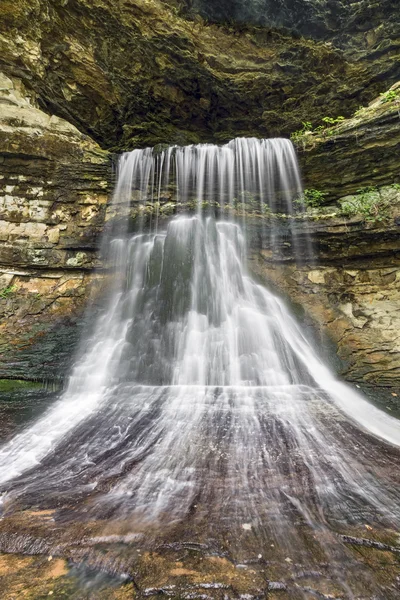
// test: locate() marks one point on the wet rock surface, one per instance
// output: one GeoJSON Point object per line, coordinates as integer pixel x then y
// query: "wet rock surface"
{"type": "Point", "coordinates": [41, 325]}
{"type": "Point", "coordinates": [349, 293]}
{"type": "Point", "coordinates": [102, 567]}
{"type": "Point", "coordinates": [20, 402]}
{"type": "Point", "coordinates": [359, 152]}
{"type": "Point", "coordinates": [144, 72]}
{"type": "Point", "coordinates": [54, 185]}
{"type": "Point", "coordinates": [56, 550]}
{"type": "Point", "coordinates": [351, 24]}
{"type": "Point", "coordinates": [66, 540]}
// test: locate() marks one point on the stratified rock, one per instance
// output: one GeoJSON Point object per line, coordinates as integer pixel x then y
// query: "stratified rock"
{"type": "Point", "coordinates": [54, 185]}
{"type": "Point", "coordinates": [141, 72]}
{"type": "Point", "coordinates": [350, 293]}
{"type": "Point", "coordinates": [361, 151]}
{"type": "Point", "coordinates": [349, 22]}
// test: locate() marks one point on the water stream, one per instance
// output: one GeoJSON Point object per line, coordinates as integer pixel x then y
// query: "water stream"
{"type": "Point", "coordinates": [198, 396]}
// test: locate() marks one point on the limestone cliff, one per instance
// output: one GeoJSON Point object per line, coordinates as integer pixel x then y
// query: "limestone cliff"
{"type": "Point", "coordinates": [141, 72]}
{"type": "Point", "coordinates": [350, 293]}
{"type": "Point", "coordinates": [54, 185]}
{"type": "Point", "coordinates": [144, 72]}
{"type": "Point", "coordinates": [350, 23]}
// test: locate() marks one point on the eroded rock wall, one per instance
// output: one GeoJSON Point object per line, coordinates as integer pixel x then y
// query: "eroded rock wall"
{"type": "Point", "coordinates": [141, 72]}
{"type": "Point", "coordinates": [350, 293]}
{"type": "Point", "coordinates": [351, 23]}
{"type": "Point", "coordinates": [54, 186]}
{"type": "Point", "coordinates": [361, 151]}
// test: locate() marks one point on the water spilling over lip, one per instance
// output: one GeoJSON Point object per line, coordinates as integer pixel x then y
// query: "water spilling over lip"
{"type": "Point", "coordinates": [197, 387]}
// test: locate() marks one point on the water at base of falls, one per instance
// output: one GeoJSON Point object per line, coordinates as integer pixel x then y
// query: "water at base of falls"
{"type": "Point", "coordinates": [198, 399]}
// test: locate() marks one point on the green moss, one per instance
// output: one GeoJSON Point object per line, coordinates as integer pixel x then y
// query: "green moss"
{"type": "Point", "coordinates": [391, 96]}
{"type": "Point", "coordinates": [11, 385]}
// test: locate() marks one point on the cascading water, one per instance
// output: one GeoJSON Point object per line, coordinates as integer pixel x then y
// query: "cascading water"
{"type": "Point", "coordinates": [198, 397]}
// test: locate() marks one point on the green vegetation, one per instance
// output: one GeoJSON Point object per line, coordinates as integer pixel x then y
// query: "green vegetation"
{"type": "Point", "coordinates": [387, 97]}
{"type": "Point", "coordinates": [368, 203]}
{"type": "Point", "coordinates": [391, 96]}
{"type": "Point", "coordinates": [10, 385]}
{"type": "Point", "coordinates": [266, 210]}
{"type": "Point", "coordinates": [332, 121]}
{"type": "Point", "coordinates": [246, 200]}
{"type": "Point", "coordinates": [360, 111]}
{"type": "Point", "coordinates": [298, 136]}
{"type": "Point", "coordinates": [7, 291]}
{"type": "Point", "coordinates": [311, 198]}
{"type": "Point", "coordinates": [326, 129]}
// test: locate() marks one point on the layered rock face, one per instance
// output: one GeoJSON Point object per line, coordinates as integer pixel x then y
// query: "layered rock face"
{"type": "Point", "coordinates": [54, 185]}
{"type": "Point", "coordinates": [350, 23]}
{"type": "Point", "coordinates": [350, 295]}
{"type": "Point", "coordinates": [361, 151]}
{"type": "Point", "coordinates": [143, 72]}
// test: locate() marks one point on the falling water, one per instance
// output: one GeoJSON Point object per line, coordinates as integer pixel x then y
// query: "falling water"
{"type": "Point", "coordinates": [198, 396]}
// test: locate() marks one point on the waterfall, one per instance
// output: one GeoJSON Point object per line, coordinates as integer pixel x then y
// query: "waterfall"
{"type": "Point", "coordinates": [198, 392]}
{"type": "Point", "coordinates": [263, 171]}
{"type": "Point", "coordinates": [244, 177]}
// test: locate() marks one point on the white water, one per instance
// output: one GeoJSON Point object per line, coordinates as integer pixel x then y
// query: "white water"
{"type": "Point", "coordinates": [197, 387]}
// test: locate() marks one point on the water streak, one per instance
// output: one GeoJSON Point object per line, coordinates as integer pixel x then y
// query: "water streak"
{"type": "Point", "coordinates": [198, 390]}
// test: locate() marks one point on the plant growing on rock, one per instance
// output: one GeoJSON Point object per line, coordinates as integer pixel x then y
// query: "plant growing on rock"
{"type": "Point", "coordinates": [311, 198]}
{"type": "Point", "coordinates": [359, 113]}
{"type": "Point", "coordinates": [7, 291]}
{"type": "Point", "coordinates": [266, 210]}
{"type": "Point", "coordinates": [298, 135]}
{"type": "Point", "coordinates": [332, 120]}
{"type": "Point", "coordinates": [391, 96]}
{"type": "Point", "coordinates": [368, 203]}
